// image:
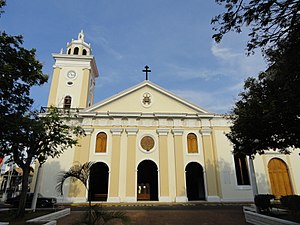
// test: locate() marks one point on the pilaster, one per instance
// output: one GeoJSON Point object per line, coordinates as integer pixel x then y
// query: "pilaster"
{"type": "Point", "coordinates": [163, 161]}
{"type": "Point", "coordinates": [115, 165]}
{"type": "Point", "coordinates": [85, 88]}
{"type": "Point", "coordinates": [131, 165]}
{"type": "Point", "coordinates": [179, 165]}
{"type": "Point", "coordinates": [210, 165]}
{"type": "Point", "coordinates": [54, 85]}
{"type": "Point", "coordinates": [81, 155]}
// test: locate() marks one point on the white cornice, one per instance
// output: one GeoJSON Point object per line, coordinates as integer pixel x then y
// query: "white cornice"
{"type": "Point", "coordinates": [162, 132]}
{"type": "Point", "coordinates": [116, 131]}
{"type": "Point", "coordinates": [177, 132]}
{"type": "Point", "coordinates": [83, 60]}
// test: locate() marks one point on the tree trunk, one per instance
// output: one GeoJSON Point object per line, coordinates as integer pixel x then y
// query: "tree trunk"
{"type": "Point", "coordinates": [22, 203]}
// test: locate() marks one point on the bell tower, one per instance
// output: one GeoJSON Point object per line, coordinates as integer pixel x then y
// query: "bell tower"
{"type": "Point", "coordinates": [74, 74]}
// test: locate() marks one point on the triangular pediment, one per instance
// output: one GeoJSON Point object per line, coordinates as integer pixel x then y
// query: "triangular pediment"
{"type": "Point", "coordinates": [146, 97]}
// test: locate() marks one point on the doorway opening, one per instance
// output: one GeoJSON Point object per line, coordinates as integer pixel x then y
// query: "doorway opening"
{"type": "Point", "coordinates": [98, 182]}
{"type": "Point", "coordinates": [194, 182]}
{"type": "Point", "coordinates": [279, 178]}
{"type": "Point", "coordinates": [147, 181]}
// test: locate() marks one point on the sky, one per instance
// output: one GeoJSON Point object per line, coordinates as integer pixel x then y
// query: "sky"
{"type": "Point", "coordinates": [172, 37]}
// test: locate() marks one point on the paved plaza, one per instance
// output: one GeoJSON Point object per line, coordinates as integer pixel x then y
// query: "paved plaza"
{"type": "Point", "coordinates": [189, 214]}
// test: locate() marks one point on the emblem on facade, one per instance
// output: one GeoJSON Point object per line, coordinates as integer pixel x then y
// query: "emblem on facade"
{"type": "Point", "coordinates": [147, 143]}
{"type": "Point", "coordinates": [146, 100]}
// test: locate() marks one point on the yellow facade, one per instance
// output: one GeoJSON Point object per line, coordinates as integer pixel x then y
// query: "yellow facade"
{"type": "Point", "coordinates": [146, 155]}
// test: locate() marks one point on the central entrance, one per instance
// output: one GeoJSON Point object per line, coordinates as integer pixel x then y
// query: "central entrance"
{"type": "Point", "coordinates": [147, 181]}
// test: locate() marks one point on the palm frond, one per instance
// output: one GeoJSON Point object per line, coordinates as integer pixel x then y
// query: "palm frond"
{"type": "Point", "coordinates": [78, 172]}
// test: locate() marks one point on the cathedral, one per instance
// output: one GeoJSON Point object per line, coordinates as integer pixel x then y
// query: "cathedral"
{"type": "Point", "coordinates": [150, 145]}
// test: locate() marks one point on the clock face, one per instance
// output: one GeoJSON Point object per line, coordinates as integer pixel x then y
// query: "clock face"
{"type": "Point", "coordinates": [71, 74]}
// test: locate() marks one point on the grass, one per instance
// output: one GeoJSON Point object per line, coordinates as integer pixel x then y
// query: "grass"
{"type": "Point", "coordinates": [10, 216]}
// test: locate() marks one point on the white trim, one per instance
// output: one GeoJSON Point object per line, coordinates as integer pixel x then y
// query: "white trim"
{"type": "Point", "coordinates": [181, 199]}
{"type": "Point", "coordinates": [206, 131]}
{"type": "Point", "coordinates": [164, 199]}
{"type": "Point", "coordinates": [177, 132]}
{"type": "Point", "coordinates": [237, 199]}
{"type": "Point", "coordinates": [88, 131]}
{"type": "Point", "coordinates": [131, 131]}
{"type": "Point", "coordinates": [213, 199]}
{"type": "Point", "coordinates": [71, 199]}
{"type": "Point", "coordinates": [113, 199]}
{"type": "Point", "coordinates": [130, 199]}
{"type": "Point", "coordinates": [116, 131]}
{"type": "Point", "coordinates": [162, 132]}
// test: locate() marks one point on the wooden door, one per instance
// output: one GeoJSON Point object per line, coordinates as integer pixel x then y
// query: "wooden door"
{"type": "Point", "coordinates": [279, 178]}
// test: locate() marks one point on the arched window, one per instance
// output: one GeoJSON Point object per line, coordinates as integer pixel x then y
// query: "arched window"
{"type": "Point", "coordinates": [84, 52]}
{"type": "Point", "coordinates": [67, 102]}
{"type": "Point", "coordinates": [101, 142]}
{"type": "Point", "coordinates": [192, 143]}
{"type": "Point", "coordinates": [241, 170]}
{"type": "Point", "coordinates": [76, 50]}
{"type": "Point", "coordinates": [69, 51]}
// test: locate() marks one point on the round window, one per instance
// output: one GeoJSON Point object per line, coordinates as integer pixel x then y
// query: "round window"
{"type": "Point", "coordinates": [147, 143]}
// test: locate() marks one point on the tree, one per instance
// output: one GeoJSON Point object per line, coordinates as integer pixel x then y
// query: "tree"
{"type": "Point", "coordinates": [81, 172]}
{"type": "Point", "coordinates": [24, 135]}
{"type": "Point", "coordinates": [267, 114]}
{"type": "Point", "coordinates": [38, 137]}
{"type": "Point", "coordinates": [269, 20]}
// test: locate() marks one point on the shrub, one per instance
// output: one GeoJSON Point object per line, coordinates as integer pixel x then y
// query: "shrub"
{"type": "Point", "coordinates": [291, 202]}
{"type": "Point", "coordinates": [263, 202]}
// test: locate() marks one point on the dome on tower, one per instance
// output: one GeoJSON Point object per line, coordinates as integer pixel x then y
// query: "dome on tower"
{"type": "Point", "coordinates": [79, 46]}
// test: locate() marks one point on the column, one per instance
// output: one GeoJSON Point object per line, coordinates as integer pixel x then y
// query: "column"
{"type": "Point", "coordinates": [115, 166]}
{"type": "Point", "coordinates": [210, 166]}
{"type": "Point", "coordinates": [81, 156]}
{"type": "Point", "coordinates": [131, 165]}
{"type": "Point", "coordinates": [179, 166]}
{"type": "Point", "coordinates": [163, 165]}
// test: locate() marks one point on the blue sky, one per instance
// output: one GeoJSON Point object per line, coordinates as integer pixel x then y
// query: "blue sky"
{"type": "Point", "coordinates": [173, 37]}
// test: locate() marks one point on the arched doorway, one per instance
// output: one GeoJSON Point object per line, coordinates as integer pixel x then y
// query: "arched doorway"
{"type": "Point", "coordinates": [194, 182]}
{"type": "Point", "coordinates": [279, 178]}
{"type": "Point", "coordinates": [98, 182]}
{"type": "Point", "coordinates": [147, 181]}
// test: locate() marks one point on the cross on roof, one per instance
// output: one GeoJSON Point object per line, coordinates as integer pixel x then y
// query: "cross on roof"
{"type": "Point", "coordinates": [146, 71]}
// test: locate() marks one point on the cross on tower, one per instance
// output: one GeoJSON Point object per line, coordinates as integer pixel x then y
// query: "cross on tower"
{"type": "Point", "coordinates": [146, 71]}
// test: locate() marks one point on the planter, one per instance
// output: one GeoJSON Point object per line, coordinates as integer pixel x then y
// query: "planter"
{"type": "Point", "coordinates": [51, 218]}
{"type": "Point", "coordinates": [255, 218]}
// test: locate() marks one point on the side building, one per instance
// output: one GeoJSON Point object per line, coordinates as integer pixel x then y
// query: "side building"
{"type": "Point", "coordinates": [151, 145]}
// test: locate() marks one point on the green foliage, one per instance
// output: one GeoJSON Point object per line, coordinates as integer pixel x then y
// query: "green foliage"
{"type": "Point", "coordinates": [95, 214]}
{"type": "Point", "coordinates": [76, 172]}
{"type": "Point", "coordinates": [292, 202]}
{"type": "Point", "coordinates": [263, 201]}
{"type": "Point", "coordinates": [269, 20]}
{"type": "Point", "coordinates": [24, 134]}
{"type": "Point", "coordinates": [98, 216]}
{"type": "Point", "coordinates": [39, 137]}
{"type": "Point", "coordinates": [267, 114]}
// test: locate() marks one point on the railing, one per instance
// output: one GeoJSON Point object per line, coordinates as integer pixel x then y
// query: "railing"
{"type": "Point", "coordinates": [61, 110]}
